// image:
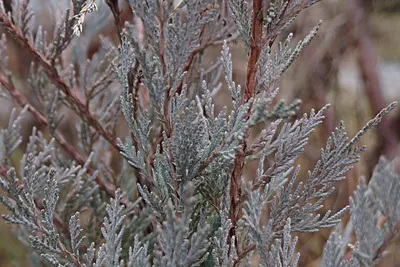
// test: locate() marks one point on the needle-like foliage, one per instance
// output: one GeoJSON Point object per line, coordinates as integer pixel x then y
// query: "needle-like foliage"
{"type": "Point", "coordinates": [179, 196]}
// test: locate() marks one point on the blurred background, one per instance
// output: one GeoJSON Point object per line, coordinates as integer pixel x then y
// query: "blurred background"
{"type": "Point", "coordinates": [353, 64]}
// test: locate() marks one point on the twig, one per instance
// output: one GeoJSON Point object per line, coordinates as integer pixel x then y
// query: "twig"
{"type": "Point", "coordinates": [387, 241]}
{"type": "Point", "coordinates": [244, 253]}
{"type": "Point", "coordinates": [191, 57]}
{"type": "Point", "coordinates": [382, 248]}
{"type": "Point", "coordinates": [159, 137]}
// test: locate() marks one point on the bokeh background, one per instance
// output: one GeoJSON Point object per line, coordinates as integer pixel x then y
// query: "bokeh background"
{"type": "Point", "coordinates": [353, 63]}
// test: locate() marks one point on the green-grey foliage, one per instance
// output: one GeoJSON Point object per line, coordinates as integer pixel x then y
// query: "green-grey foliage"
{"type": "Point", "coordinates": [179, 197]}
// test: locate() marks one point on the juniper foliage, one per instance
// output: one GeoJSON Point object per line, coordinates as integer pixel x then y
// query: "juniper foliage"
{"type": "Point", "coordinates": [183, 158]}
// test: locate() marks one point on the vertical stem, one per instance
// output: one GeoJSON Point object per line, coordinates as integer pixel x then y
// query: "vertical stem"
{"type": "Point", "coordinates": [255, 50]}
{"type": "Point", "coordinates": [249, 92]}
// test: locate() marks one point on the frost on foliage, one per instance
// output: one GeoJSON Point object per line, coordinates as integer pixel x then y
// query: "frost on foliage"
{"type": "Point", "coordinates": [156, 204]}
{"type": "Point", "coordinates": [75, 231]}
{"type": "Point", "coordinates": [140, 128]}
{"type": "Point", "coordinates": [236, 124]}
{"type": "Point", "coordinates": [22, 15]}
{"type": "Point", "coordinates": [10, 138]}
{"type": "Point", "coordinates": [261, 237]}
{"type": "Point", "coordinates": [150, 64]}
{"type": "Point", "coordinates": [240, 12]}
{"type": "Point", "coordinates": [202, 146]}
{"type": "Point", "coordinates": [188, 139]}
{"type": "Point", "coordinates": [368, 206]}
{"type": "Point", "coordinates": [32, 200]}
{"type": "Point", "coordinates": [48, 244]}
{"type": "Point", "coordinates": [301, 202]}
{"type": "Point", "coordinates": [179, 245]}
{"type": "Point", "coordinates": [113, 230]}
{"type": "Point", "coordinates": [134, 157]}
{"type": "Point", "coordinates": [288, 145]}
{"type": "Point", "coordinates": [182, 26]}
{"type": "Point", "coordinates": [23, 211]}
{"type": "Point", "coordinates": [182, 38]}
{"type": "Point", "coordinates": [226, 60]}
{"type": "Point", "coordinates": [283, 253]}
{"type": "Point", "coordinates": [364, 218]}
{"type": "Point", "coordinates": [221, 254]}
{"type": "Point", "coordinates": [336, 161]}
{"type": "Point", "coordinates": [385, 185]}
{"type": "Point", "coordinates": [138, 255]}
{"type": "Point", "coordinates": [272, 65]}
{"type": "Point", "coordinates": [109, 253]}
{"type": "Point", "coordinates": [83, 188]}
{"type": "Point", "coordinates": [336, 246]}
{"type": "Point", "coordinates": [41, 152]}
{"type": "Point", "coordinates": [180, 150]}
{"type": "Point", "coordinates": [21, 203]}
{"type": "Point", "coordinates": [63, 30]}
{"type": "Point", "coordinates": [4, 61]}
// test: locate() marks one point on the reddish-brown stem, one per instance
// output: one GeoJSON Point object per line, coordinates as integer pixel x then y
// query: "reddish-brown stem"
{"type": "Point", "coordinates": [167, 120]}
{"type": "Point", "coordinates": [255, 50]}
{"type": "Point", "coordinates": [249, 92]}
{"type": "Point", "coordinates": [39, 118]}
{"type": "Point", "coordinates": [191, 57]}
{"type": "Point", "coordinates": [79, 107]}
{"type": "Point", "coordinates": [162, 44]}
{"type": "Point", "coordinates": [387, 241]}
{"type": "Point", "coordinates": [159, 137]}
{"type": "Point", "coordinates": [71, 257]}
{"type": "Point", "coordinates": [244, 253]}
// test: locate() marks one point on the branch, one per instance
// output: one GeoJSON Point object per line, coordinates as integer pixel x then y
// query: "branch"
{"type": "Point", "coordinates": [78, 106]}
{"type": "Point", "coordinates": [255, 50]}
{"type": "Point", "coordinates": [191, 57]}
{"type": "Point", "coordinates": [244, 253]}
